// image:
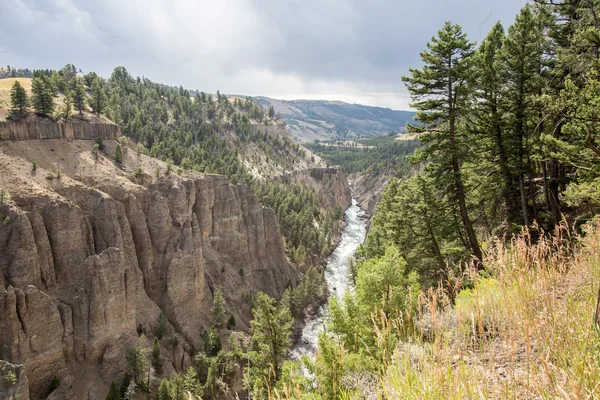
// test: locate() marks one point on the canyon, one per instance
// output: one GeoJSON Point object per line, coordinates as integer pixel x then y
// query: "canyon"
{"type": "Point", "coordinates": [92, 252]}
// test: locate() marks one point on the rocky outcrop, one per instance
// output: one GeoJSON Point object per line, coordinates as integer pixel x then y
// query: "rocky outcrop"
{"type": "Point", "coordinates": [331, 183]}
{"type": "Point", "coordinates": [84, 269]}
{"type": "Point", "coordinates": [13, 382]}
{"type": "Point", "coordinates": [63, 130]}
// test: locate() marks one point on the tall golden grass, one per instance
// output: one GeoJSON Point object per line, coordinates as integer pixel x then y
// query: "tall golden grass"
{"type": "Point", "coordinates": [524, 330]}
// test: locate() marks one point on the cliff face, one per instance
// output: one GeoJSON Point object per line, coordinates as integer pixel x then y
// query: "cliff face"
{"type": "Point", "coordinates": [63, 130]}
{"type": "Point", "coordinates": [329, 182]}
{"type": "Point", "coordinates": [91, 258]}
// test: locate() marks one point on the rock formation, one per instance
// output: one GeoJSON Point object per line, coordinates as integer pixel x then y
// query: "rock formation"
{"type": "Point", "coordinates": [90, 258]}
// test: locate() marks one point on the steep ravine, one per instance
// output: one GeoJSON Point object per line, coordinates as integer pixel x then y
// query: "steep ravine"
{"type": "Point", "coordinates": [90, 256]}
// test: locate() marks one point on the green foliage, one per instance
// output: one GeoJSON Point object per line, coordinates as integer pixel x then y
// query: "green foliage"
{"type": "Point", "coordinates": [306, 220]}
{"type": "Point", "coordinates": [440, 94]}
{"type": "Point", "coordinates": [155, 356]}
{"type": "Point", "coordinates": [54, 384]}
{"type": "Point", "coordinates": [380, 154]}
{"type": "Point", "coordinates": [118, 154]}
{"type": "Point", "coordinates": [218, 310]}
{"type": "Point", "coordinates": [33, 166]}
{"type": "Point", "coordinates": [113, 393]}
{"type": "Point", "coordinates": [137, 364]}
{"type": "Point", "coordinates": [79, 96]}
{"type": "Point", "coordinates": [67, 107]}
{"type": "Point", "coordinates": [43, 93]}
{"type": "Point", "coordinates": [412, 217]}
{"type": "Point", "coordinates": [161, 326]}
{"type": "Point", "coordinates": [271, 329]}
{"type": "Point", "coordinates": [98, 98]}
{"type": "Point", "coordinates": [19, 101]}
{"type": "Point", "coordinates": [100, 143]}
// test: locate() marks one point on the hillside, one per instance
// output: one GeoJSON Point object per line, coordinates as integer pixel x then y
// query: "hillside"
{"type": "Point", "coordinates": [204, 133]}
{"type": "Point", "coordinates": [309, 120]}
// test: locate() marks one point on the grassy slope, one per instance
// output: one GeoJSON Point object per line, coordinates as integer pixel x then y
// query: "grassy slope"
{"type": "Point", "coordinates": [524, 332]}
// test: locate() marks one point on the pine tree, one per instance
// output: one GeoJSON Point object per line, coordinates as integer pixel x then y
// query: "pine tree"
{"type": "Point", "coordinates": [164, 390]}
{"type": "Point", "coordinates": [440, 94]}
{"type": "Point", "coordinates": [114, 393]}
{"type": "Point", "coordinates": [271, 112]}
{"type": "Point", "coordinates": [43, 94]}
{"type": "Point", "coordinates": [79, 96]}
{"type": "Point", "coordinates": [219, 310]}
{"type": "Point", "coordinates": [490, 122]}
{"type": "Point", "coordinates": [156, 358]}
{"type": "Point", "coordinates": [19, 101]}
{"type": "Point", "coordinates": [520, 57]}
{"type": "Point", "coordinates": [136, 360]}
{"type": "Point", "coordinates": [118, 154]}
{"type": "Point", "coordinates": [98, 98]}
{"type": "Point", "coordinates": [67, 108]}
{"type": "Point", "coordinates": [271, 336]}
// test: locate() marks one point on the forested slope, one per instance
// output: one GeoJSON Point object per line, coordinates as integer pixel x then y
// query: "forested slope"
{"type": "Point", "coordinates": [479, 278]}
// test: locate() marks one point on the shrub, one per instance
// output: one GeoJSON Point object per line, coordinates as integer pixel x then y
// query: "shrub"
{"type": "Point", "coordinates": [54, 384]}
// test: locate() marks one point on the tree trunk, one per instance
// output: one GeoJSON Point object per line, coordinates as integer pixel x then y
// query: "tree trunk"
{"type": "Point", "coordinates": [523, 201]}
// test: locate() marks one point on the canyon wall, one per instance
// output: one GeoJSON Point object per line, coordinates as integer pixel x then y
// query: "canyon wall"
{"type": "Point", "coordinates": [84, 269]}
{"type": "Point", "coordinates": [10, 130]}
{"type": "Point", "coordinates": [331, 183]}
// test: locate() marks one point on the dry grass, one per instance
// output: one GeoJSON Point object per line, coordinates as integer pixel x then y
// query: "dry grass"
{"type": "Point", "coordinates": [524, 332]}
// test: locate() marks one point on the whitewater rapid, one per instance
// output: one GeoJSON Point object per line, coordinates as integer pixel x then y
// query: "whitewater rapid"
{"type": "Point", "coordinates": [337, 276]}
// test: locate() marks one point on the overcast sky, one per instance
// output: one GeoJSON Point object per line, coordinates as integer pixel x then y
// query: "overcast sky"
{"type": "Point", "coordinates": [349, 50]}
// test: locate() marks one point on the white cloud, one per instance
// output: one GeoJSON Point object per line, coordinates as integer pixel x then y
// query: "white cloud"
{"type": "Point", "coordinates": [349, 50]}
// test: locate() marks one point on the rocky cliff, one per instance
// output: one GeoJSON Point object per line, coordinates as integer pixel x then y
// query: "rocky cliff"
{"type": "Point", "coordinates": [91, 253]}
{"type": "Point", "coordinates": [331, 183]}
{"type": "Point", "coordinates": [63, 130]}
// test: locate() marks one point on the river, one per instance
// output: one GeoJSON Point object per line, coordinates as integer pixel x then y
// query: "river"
{"type": "Point", "coordinates": [337, 275]}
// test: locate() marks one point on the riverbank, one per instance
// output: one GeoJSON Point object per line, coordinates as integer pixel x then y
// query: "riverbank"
{"type": "Point", "coordinates": [337, 276]}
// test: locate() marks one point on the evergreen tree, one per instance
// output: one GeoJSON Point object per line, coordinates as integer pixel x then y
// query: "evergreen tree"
{"type": "Point", "coordinates": [440, 94]}
{"type": "Point", "coordinates": [79, 96]}
{"type": "Point", "coordinates": [114, 393]}
{"type": "Point", "coordinates": [98, 98]}
{"type": "Point", "coordinates": [118, 154]}
{"type": "Point", "coordinates": [137, 365]}
{"type": "Point", "coordinates": [67, 108]}
{"type": "Point", "coordinates": [42, 93]}
{"type": "Point", "coordinates": [520, 57]}
{"type": "Point", "coordinates": [164, 390]}
{"type": "Point", "coordinates": [156, 358]}
{"type": "Point", "coordinates": [271, 112]}
{"type": "Point", "coordinates": [271, 338]}
{"type": "Point", "coordinates": [490, 125]}
{"type": "Point", "coordinates": [19, 101]}
{"type": "Point", "coordinates": [219, 310]}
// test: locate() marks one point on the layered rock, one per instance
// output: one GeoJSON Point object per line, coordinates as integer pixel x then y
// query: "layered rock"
{"type": "Point", "coordinates": [85, 269]}
{"type": "Point", "coordinates": [331, 183]}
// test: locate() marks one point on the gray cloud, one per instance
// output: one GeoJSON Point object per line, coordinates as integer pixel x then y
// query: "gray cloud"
{"type": "Point", "coordinates": [351, 50]}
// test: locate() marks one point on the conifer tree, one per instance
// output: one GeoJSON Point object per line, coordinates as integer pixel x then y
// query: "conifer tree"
{"type": "Point", "coordinates": [520, 62]}
{"type": "Point", "coordinates": [219, 310]}
{"type": "Point", "coordinates": [114, 393]}
{"type": "Point", "coordinates": [440, 94]}
{"type": "Point", "coordinates": [271, 338]}
{"type": "Point", "coordinates": [136, 360]}
{"type": "Point", "coordinates": [98, 97]}
{"type": "Point", "coordinates": [43, 95]}
{"type": "Point", "coordinates": [67, 108]}
{"type": "Point", "coordinates": [19, 101]}
{"type": "Point", "coordinates": [79, 96]}
{"type": "Point", "coordinates": [156, 358]}
{"type": "Point", "coordinates": [118, 154]}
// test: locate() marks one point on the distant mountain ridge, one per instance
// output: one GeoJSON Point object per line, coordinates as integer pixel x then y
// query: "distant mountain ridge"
{"type": "Point", "coordinates": [309, 120]}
